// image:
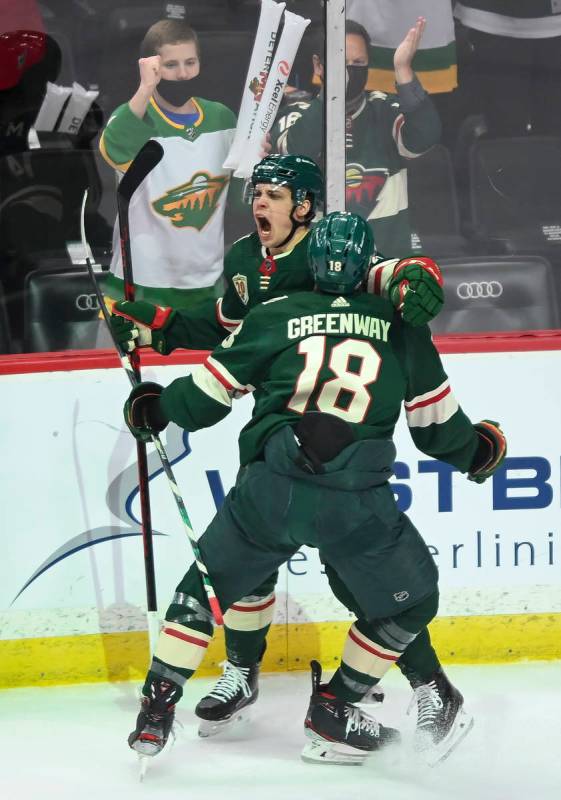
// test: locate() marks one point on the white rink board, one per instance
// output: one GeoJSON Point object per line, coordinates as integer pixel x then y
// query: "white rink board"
{"type": "Point", "coordinates": [64, 444]}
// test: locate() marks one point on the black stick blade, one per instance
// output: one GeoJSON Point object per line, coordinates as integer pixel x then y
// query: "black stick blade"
{"type": "Point", "coordinates": [145, 161]}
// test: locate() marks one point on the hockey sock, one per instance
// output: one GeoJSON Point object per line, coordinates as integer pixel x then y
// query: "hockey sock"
{"type": "Point", "coordinates": [184, 638]}
{"type": "Point", "coordinates": [162, 672]}
{"type": "Point", "coordinates": [366, 658]}
{"type": "Point", "coordinates": [245, 648]}
{"type": "Point", "coordinates": [246, 624]}
{"type": "Point", "coordinates": [349, 684]}
{"type": "Point", "coordinates": [419, 659]}
{"type": "Point", "coordinates": [373, 646]}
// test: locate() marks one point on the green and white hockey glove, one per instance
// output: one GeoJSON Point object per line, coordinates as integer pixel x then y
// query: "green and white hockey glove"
{"type": "Point", "coordinates": [140, 324]}
{"type": "Point", "coordinates": [490, 453]}
{"type": "Point", "coordinates": [416, 289]}
{"type": "Point", "coordinates": [142, 411]}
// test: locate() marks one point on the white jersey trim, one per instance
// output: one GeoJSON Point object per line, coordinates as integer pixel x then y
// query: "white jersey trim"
{"type": "Point", "coordinates": [208, 383]}
{"type": "Point", "coordinates": [379, 276]}
{"type": "Point", "coordinates": [225, 377]}
{"type": "Point", "coordinates": [226, 322]}
{"type": "Point", "coordinates": [431, 408]}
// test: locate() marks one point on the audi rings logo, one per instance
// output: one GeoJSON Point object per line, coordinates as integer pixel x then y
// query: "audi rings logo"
{"type": "Point", "coordinates": [86, 302]}
{"type": "Point", "coordinates": [479, 289]}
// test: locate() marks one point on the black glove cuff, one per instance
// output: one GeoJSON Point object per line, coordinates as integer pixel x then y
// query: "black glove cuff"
{"type": "Point", "coordinates": [485, 453]}
{"type": "Point", "coordinates": [154, 414]}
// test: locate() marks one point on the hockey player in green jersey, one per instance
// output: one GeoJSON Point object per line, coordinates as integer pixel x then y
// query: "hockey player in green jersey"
{"type": "Point", "coordinates": [330, 370]}
{"type": "Point", "coordinates": [272, 261]}
{"type": "Point", "coordinates": [268, 263]}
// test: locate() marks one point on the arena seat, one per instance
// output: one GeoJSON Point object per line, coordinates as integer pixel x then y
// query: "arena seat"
{"type": "Point", "coordinates": [40, 199]}
{"type": "Point", "coordinates": [497, 293]}
{"type": "Point", "coordinates": [62, 312]}
{"type": "Point", "coordinates": [515, 195]}
{"type": "Point", "coordinates": [433, 205]}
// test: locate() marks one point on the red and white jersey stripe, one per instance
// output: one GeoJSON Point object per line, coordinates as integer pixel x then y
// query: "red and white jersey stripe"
{"type": "Point", "coordinates": [226, 322]}
{"type": "Point", "coordinates": [379, 275]}
{"type": "Point", "coordinates": [207, 382]}
{"type": "Point", "coordinates": [434, 407]}
{"type": "Point", "coordinates": [398, 139]}
{"type": "Point", "coordinates": [228, 381]}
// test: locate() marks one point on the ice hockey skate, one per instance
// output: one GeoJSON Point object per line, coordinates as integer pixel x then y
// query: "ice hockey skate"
{"type": "Point", "coordinates": [227, 705]}
{"type": "Point", "coordinates": [340, 732]}
{"type": "Point", "coordinates": [442, 722]}
{"type": "Point", "coordinates": [154, 722]}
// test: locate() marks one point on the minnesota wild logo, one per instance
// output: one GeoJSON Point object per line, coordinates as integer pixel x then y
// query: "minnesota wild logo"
{"type": "Point", "coordinates": [241, 287]}
{"type": "Point", "coordinates": [257, 84]}
{"type": "Point", "coordinates": [192, 204]}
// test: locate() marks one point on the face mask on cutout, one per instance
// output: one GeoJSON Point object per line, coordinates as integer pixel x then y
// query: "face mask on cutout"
{"type": "Point", "coordinates": [176, 93]}
{"type": "Point", "coordinates": [356, 81]}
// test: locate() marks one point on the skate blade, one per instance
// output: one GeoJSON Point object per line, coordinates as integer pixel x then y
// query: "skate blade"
{"type": "Point", "coordinates": [146, 749]}
{"type": "Point", "coordinates": [320, 751]}
{"type": "Point", "coordinates": [209, 727]}
{"type": "Point", "coordinates": [142, 767]}
{"type": "Point", "coordinates": [434, 756]}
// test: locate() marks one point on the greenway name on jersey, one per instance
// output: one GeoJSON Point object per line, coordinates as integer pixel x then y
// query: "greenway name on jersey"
{"type": "Point", "coordinates": [353, 324]}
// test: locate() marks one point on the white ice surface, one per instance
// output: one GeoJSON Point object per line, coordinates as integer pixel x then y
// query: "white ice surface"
{"type": "Point", "coordinates": [69, 743]}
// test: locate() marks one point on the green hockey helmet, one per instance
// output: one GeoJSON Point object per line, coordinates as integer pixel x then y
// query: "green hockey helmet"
{"type": "Point", "coordinates": [339, 252]}
{"type": "Point", "coordinates": [299, 173]}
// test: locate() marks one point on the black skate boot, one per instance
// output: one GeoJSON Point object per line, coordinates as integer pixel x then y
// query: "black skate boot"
{"type": "Point", "coordinates": [442, 722]}
{"type": "Point", "coordinates": [154, 723]}
{"type": "Point", "coordinates": [341, 733]}
{"type": "Point", "coordinates": [224, 705]}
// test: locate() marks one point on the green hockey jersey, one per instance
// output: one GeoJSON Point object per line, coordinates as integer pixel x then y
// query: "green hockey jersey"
{"type": "Point", "coordinates": [176, 216]}
{"type": "Point", "coordinates": [349, 356]}
{"type": "Point", "coordinates": [251, 276]}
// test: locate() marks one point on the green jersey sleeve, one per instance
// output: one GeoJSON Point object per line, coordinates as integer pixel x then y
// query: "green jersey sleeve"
{"type": "Point", "coordinates": [437, 424]}
{"type": "Point", "coordinates": [232, 370]}
{"type": "Point", "coordinates": [201, 330]}
{"type": "Point", "coordinates": [233, 309]}
{"type": "Point", "coordinates": [124, 135]}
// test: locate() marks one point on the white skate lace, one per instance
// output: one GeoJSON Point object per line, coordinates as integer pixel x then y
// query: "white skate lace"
{"type": "Point", "coordinates": [233, 680]}
{"type": "Point", "coordinates": [429, 703]}
{"type": "Point", "coordinates": [357, 722]}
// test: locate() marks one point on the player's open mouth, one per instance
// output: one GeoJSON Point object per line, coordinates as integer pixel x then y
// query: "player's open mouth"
{"type": "Point", "coordinates": [263, 226]}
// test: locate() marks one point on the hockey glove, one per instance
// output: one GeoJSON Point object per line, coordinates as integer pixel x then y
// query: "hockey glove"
{"type": "Point", "coordinates": [140, 324]}
{"type": "Point", "coordinates": [490, 453]}
{"type": "Point", "coordinates": [143, 413]}
{"type": "Point", "coordinates": [416, 289]}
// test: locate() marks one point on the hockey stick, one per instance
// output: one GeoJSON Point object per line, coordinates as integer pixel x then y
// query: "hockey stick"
{"type": "Point", "coordinates": [144, 162]}
{"type": "Point", "coordinates": [126, 363]}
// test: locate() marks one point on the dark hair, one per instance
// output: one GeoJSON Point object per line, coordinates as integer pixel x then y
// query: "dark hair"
{"type": "Point", "coordinates": [167, 31]}
{"type": "Point", "coordinates": [352, 27]}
